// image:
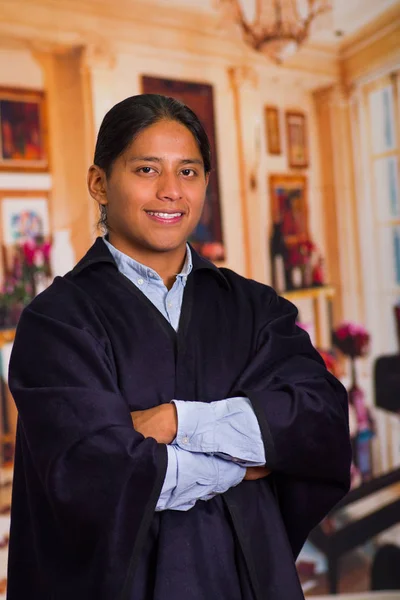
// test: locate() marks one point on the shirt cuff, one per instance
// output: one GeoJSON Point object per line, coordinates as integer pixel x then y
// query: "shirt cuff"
{"type": "Point", "coordinates": [227, 428]}
{"type": "Point", "coordinates": [170, 481]}
{"type": "Point", "coordinates": [198, 477]}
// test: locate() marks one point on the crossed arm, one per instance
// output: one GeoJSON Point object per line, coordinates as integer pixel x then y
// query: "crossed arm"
{"type": "Point", "coordinates": [232, 465]}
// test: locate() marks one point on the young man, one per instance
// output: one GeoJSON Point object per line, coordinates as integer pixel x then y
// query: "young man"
{"type": "Point", "coordinates": [178, 435]}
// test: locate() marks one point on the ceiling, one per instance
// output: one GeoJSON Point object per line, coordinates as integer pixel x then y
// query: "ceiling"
{"type": "Point", "coordinates": [346, 17]}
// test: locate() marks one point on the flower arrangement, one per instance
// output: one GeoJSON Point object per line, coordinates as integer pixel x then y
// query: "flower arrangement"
{"type": "Point", "coordinates": [304, 258]}
{"type": "Point", "coordinates": [29, 275]}
{"type": "Point", "coordinates": [301, 254]}
{"type": "Point", "coordinates": [351, 339]}
{"type": "Point", "coordinates": [306, 250]}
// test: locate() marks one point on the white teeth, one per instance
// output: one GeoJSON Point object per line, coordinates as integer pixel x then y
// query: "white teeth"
{"type": "Point", "coordinates": [165, 215]}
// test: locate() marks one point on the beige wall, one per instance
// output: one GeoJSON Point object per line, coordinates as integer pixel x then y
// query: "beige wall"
{"type": "Point", "coordinates": [18, 68]}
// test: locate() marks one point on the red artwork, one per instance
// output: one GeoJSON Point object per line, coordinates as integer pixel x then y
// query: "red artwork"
{"type": "Point", "coordinates": [289, 207]}
{"type": "Point", "coordinates": [22, 130]}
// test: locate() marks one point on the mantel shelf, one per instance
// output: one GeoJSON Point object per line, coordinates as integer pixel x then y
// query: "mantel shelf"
{"type": "Point", "coordinates": [325, 291]}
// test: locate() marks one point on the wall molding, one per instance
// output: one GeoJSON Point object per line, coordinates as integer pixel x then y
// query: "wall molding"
{"type": "Point", "coordinates": [25, 181]}
{"type": "Point", "coordinates": [371, 48]}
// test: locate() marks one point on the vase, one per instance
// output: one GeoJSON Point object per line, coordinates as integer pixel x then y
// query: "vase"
{"type": "Point", "coordinates": [307, 276]}
{"type": "Point", "coordinates": [297, 277]}
{"type": "Point", "coordinates": [62, 257]}
{"type": "Point", "coordinates": [278, 255]}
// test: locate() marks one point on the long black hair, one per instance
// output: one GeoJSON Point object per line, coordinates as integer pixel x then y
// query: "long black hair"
{"type": "Point", "coordinates": [130, 117]}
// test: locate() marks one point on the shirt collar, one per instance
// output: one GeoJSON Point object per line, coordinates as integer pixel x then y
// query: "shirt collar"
{"type": "Point", "coordinates": [99, 253]}
{"type": "Point", "coordinates": [126, 264]}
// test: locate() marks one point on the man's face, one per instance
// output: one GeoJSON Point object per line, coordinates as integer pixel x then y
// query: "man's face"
{"type": "Point", "coordinates": [155, 193]}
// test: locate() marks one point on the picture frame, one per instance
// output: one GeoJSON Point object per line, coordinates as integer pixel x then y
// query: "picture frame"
{"type": "Point", "coordinates": [288, 197]}
{"type": "Point", "coordinates": [24, 215]}
{"type": "Point", "coordinates": [297, 139]}
{"type": "Point", "coordinates": [207, 238]}
{"type": "Point", "coordinates": [23, 130]}
{"type": "Point", "coordinates": [272, 130]}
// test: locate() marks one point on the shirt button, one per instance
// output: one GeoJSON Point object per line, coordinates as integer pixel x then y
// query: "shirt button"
{"type": "Point", "coordinates": [140, 281]}
{"type": "Point", "coordinates": [185, 440]}
{"type": "Point", "coordinates": [169, 304]}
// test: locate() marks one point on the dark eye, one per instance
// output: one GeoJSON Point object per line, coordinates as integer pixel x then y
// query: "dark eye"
{"type": "Point", "coordinates": [188, 172]}
{"type": "Point", "coordinates": [146, 170]}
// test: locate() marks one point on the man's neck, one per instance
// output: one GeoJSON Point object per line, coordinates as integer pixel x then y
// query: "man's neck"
{"type": "Point", "coordinates": [167, 264]}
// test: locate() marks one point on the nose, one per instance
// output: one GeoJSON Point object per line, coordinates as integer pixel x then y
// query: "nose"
{"type": "Point", "coordinates": [169, 187]}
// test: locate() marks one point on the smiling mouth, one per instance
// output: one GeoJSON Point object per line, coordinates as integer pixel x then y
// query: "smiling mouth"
{"type": "Point", "coordinates": [165, 217]}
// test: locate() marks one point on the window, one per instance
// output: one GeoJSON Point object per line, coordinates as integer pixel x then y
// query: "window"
{"type": "Point", "coordinates": [376, 150]}
{"type": "Point", "coordinates": [384, 157]}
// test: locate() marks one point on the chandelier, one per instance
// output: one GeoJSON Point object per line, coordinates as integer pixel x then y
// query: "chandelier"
{"type": "Point", "coordinates": [274, 27]}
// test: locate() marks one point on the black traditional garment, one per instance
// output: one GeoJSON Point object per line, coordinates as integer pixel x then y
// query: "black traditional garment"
{"type": "Point", "coordinates": [92, 348]}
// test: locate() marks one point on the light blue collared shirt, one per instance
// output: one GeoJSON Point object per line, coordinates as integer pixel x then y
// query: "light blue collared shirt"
{"type": "Point", "coordinates": [215, 441]}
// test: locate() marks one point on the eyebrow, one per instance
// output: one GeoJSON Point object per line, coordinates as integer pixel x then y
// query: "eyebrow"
{"type": "Point", "coordinates": [184, 161]}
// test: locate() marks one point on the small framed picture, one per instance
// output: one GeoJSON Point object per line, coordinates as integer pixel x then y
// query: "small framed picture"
{"type": "Point", "coordinates": [24, 216]}
{"type": "Point", "coordinates": [297, 142]}
{"type": "Point", "coordinates": [272, 129]}
{"type": "Point", "coordinates": [288, 196]}
{"type": "Point", "coordinates": [23, 132]}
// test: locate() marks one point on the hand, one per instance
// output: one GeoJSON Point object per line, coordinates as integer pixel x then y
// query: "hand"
{"type": "Point", "coordinates": [253, 473]}
{"type": "Point", "coordinates": [160, 422]}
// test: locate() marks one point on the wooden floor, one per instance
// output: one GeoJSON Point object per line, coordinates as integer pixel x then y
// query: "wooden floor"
{"type": "Point", "coordinates": [354, 577]}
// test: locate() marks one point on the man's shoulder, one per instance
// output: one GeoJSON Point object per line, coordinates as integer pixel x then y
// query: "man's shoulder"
{"type": "Point", "coordinates": [61, 300]}
{"type": "Point", "coordinates": [242, 284]}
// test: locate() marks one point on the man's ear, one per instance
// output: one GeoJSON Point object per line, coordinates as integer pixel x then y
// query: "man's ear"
{"type": "Point", "coordinates": [97, 184]}
{"type": "Point", "coordinates": [207, 178]}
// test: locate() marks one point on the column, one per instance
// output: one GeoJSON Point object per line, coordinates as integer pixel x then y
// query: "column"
{"type": "Point", "coordinates": [245, 89]}
{"type": "Point", "coordinates": [71, 141]}
{"type": "Point", "coordinates": [338, 197]}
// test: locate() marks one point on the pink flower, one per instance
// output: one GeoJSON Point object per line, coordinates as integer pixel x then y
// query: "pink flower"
{"type": "Point", "coordinates": [351, 339]}
{"type": "Point", "coordinates": [46, 251]}
{"type": "Point", "coordinates": [29, 249]}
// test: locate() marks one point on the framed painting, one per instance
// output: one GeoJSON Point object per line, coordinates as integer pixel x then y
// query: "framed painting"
{"type": "Point", "coordinates": [272, 129]}
{"type": "Point", "coordinates": [23, 133]}
{"type": "Point", "coordinates": [288, 196]}
{"type": "Point", "coordinates": [207, 238]}
{"type": "Point", "coordinates": [24, 216]}
{"type": "Point", "coordinates": [297, 142]}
